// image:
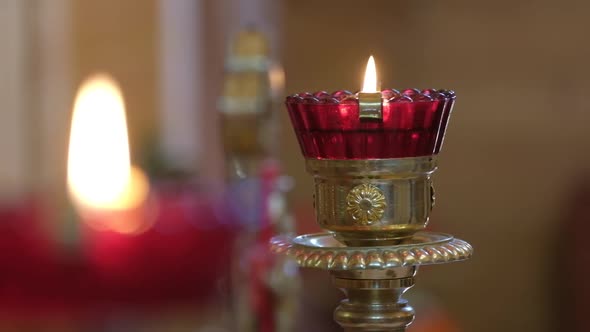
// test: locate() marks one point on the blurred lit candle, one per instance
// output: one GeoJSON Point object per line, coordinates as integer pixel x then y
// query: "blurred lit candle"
{"type": "Point", "coordinates": [106, 190]}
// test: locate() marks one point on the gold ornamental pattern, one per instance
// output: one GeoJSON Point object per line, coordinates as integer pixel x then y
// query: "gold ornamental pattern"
{"type": "Point", "coordinates": [366, 204]}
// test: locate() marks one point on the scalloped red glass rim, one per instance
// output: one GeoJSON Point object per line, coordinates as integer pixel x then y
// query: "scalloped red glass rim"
{"type": "Point", "coordinates": [388, 95]}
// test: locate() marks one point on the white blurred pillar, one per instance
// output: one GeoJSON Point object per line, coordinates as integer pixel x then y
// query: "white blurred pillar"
{"type": "Point", "coordinates": [181, 82]}
{"type": "Point", "coordinates": [54, 85]}
{"type": "Point", "coordinates": [14, 129]}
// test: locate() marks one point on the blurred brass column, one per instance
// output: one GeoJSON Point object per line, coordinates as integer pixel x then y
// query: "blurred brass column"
{"type": "Point", "coordinates": [253, 176]}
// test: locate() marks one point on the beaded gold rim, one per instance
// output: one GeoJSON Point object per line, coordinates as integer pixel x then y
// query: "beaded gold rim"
{"type": "Point", "coordinates": [322, 251]}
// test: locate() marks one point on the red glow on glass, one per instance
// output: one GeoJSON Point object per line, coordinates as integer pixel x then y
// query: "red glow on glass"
{"type": "Point", "coordinates": [328, 125]}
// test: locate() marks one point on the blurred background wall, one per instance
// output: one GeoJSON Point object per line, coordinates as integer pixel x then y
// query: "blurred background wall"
{"type": "Point", "coordinates": [516, 145]}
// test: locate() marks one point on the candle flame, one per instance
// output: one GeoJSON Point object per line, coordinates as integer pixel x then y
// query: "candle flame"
{"type": "Point", "coordinates": [99, 174]}
{"type": "Point", "coordinates": [370, 82]}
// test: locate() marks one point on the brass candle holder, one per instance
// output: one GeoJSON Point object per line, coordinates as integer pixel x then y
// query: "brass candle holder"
{"type": "Point", "coordinates": [373, 194]}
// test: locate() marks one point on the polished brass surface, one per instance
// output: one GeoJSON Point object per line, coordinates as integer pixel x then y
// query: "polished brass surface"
{"type": "Point", "coordinates": [374, 304]}
{"type": "Point", "coordinates": [370, 105]}
{"type": "Point", "coordinates": [324, 252]}
{"type": "Point", "coordinates": [373, 278]}
{"type": "Point", "coordinates": [373, 202]}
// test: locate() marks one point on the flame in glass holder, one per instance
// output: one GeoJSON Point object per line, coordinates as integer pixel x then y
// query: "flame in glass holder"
{"type": "Point", "coordinates": [328, 126]}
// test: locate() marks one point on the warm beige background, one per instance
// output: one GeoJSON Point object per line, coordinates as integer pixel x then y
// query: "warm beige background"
{"type": "Point", "coordinates": [517, 140]}
{"type": "Point", "coordinates": [119, 37]}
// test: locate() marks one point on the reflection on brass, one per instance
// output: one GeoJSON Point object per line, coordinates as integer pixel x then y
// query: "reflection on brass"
{"type": "Point", "coordinates": [365, 204]}
{"type": "Point", "coordinates": [432, 196]}
{"type": "Point", "coordinates": [370, 105]}
{"type": "Point", "coordinates": [374, 304]}
{"type": "Point", "coordinates": [340, 204]}
{"type": "Point", "coordinates": [324, 252]}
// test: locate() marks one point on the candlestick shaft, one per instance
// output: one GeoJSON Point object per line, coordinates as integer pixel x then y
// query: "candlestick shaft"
{"type": "Point", "coordinates": [374, 304]}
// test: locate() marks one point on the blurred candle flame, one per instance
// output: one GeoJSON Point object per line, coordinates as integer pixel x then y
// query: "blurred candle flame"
{"type": "Point", "coordinates": [370, 82]}
{"type": "Point", "coordinates": [99, 175]}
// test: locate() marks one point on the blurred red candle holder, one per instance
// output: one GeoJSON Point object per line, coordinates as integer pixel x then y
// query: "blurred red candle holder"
{"type": "Point", "coordinates": [164, 261]}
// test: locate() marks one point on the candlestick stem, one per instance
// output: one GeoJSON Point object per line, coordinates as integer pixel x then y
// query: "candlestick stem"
{"type": "Point", "coordinates": [374, 300]}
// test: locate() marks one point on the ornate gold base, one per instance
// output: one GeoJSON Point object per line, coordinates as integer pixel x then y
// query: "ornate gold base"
{"type": "Point", "coordinates": [373, 278]}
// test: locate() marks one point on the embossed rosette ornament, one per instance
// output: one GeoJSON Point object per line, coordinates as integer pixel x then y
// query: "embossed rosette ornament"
{"type": "Point", "coordinates": [365, 204]}
{"type": "Point", "coordinates": [372, 155]}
